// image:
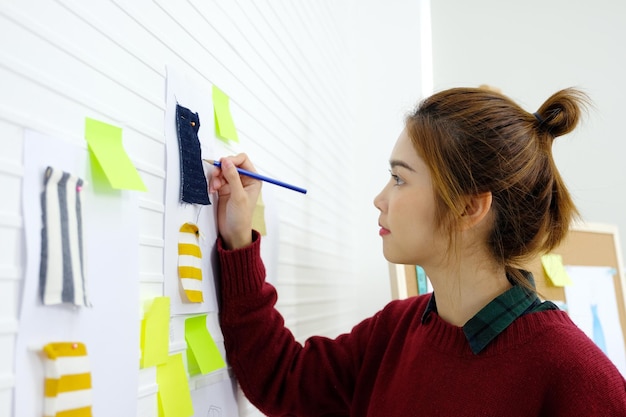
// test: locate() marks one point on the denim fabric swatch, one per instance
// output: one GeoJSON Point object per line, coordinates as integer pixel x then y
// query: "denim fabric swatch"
{"type": "Point", "coordinates": [193, 183]}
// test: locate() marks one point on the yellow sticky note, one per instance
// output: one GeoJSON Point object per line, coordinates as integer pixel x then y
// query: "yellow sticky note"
{"type": "Point", "coordinates": [554, 269]}
{"type": "Point", "coordinates": [258, 217]}
{"type": "Point", "coordinates": [105, 145]}
{"type": "Point", "coordinates": [224, 124]}
{"type": "Point", "coordinates": [202, 353]}
{"type": "Point", "coordinates": [155, 333]}
{"type": "Point", "coordinates": [174, 398]}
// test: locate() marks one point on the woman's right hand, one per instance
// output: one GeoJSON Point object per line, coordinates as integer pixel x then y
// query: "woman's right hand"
{"type": "Point", "coordinates": [237, 198]}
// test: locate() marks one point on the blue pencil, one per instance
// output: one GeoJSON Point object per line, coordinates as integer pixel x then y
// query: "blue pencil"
{"type": "Point", "coordinates": [260, 177]}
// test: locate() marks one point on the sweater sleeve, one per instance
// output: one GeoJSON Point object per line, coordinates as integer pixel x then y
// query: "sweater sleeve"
{"type": "Point", "coordinates": [585, 382]}
{"type": "Point", "coordinates": [279, 375]}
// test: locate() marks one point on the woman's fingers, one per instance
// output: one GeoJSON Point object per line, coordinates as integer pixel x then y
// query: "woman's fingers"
{"type": "Point", "coordinates": [229, 172]}
{"type": "Point", "coordinates": [219, 177]}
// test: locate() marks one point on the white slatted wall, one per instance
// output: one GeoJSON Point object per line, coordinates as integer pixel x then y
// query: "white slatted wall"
{"type": "Point", "coordinates": [290, 71]}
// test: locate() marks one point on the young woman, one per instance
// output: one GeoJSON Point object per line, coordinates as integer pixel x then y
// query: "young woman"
{"type": "Point", "coordinates": [473, 193]}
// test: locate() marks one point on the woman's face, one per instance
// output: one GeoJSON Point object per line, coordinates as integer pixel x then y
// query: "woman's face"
{"type": "Point", "coordinates": [407, 209]}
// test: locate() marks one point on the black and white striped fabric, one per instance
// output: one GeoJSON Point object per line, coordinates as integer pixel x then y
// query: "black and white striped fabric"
{"type": "Point", "coordinates": [62, 268]}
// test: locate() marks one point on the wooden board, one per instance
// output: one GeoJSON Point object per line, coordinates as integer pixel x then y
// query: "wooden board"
{"type": "Point", "coordinates": [586, 245]}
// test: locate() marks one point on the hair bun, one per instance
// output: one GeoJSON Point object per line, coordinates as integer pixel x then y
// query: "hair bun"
{"type": "Point", "coordinates": [561, 112]}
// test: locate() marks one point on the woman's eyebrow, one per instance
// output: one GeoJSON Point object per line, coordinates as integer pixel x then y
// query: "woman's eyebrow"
{"type": "Point", "coordinates": [397, 163]}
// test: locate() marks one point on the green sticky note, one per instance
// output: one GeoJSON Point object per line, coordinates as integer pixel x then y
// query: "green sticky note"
{"type": "Point", "coordinates": [105, 145]}
{"type": "Point", "coordinates": [203, 355]}
{"type": "Point", "coordinates": [98, 177]}
{"type": "Point", "coordinates": [174, 398]}
{"type": "Point", "coordinates": [258, 217]}
{"type": "Point", "coordinates": [555, 271]}
{"type": "Point", "coordinates": [155, 333]}
{"type": "Point", "coordinates": [224, 124]}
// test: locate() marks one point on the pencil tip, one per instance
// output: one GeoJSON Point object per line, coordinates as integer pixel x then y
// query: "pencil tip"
{"type": "Point", "coordinates": [210, 161]}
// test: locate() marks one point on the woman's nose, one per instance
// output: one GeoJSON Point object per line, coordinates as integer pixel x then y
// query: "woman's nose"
{"type": "Point", "coordinates": [379, 200]}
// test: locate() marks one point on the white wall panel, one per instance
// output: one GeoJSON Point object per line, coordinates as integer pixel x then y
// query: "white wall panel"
{"type": "Point", "coordinates": [291, 71]}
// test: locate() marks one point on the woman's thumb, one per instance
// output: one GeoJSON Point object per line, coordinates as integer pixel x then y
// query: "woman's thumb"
{"type": "Point", "coordinates": [232, 176]}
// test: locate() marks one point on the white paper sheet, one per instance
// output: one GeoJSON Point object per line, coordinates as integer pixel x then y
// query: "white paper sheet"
{"type": "Point", "coordinates": [110, 329]}
{"type": "Point", "coordinates": [593, 288]}
{"type": "Point", "coordinates": [196, 96]}
{"type": "Point", "coordinates": [216, 400]}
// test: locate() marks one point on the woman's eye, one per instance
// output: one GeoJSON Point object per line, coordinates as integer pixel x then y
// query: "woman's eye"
{"type": "Point", "coordinates": [396, 179]}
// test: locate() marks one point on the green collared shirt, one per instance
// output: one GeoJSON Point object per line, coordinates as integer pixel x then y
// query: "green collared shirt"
{"type": "Point", "coordinates": [496, 316]}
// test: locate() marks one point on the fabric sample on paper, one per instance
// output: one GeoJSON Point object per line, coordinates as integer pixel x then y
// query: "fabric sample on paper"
{"type": "Point", "coordinates": [193, 183]}
{"type": "Point", "coordinates": [62, 267]}
{"type": "Point", "coordinates": [67, 389]}
{"type": "Point", "coordinates": [190, 262]}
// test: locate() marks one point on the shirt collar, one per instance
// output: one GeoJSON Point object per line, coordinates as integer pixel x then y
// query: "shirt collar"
{"type": "Point", "coordinates": [495, 317]}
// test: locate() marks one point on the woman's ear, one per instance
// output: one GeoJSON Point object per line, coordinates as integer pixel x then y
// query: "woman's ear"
{"type": "Point", "coordinates": [476, 209]}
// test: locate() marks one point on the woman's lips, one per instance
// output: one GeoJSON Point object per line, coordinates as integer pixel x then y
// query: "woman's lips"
{"type": "Point", "coordinates": [383, 231]}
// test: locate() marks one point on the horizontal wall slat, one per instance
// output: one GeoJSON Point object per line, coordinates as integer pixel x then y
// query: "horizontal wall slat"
{"type": "Point", "coordinates": [285, 66]}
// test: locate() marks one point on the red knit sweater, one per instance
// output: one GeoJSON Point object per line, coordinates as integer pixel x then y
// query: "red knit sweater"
{"type": "Point", "coordinates": [392, 364]}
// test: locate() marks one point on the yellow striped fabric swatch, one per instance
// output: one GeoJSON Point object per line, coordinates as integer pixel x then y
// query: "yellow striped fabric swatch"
{"type": "Point", "coordinates": [190, 262]}
{"type": "Point", "coordinates": [67, 388]}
